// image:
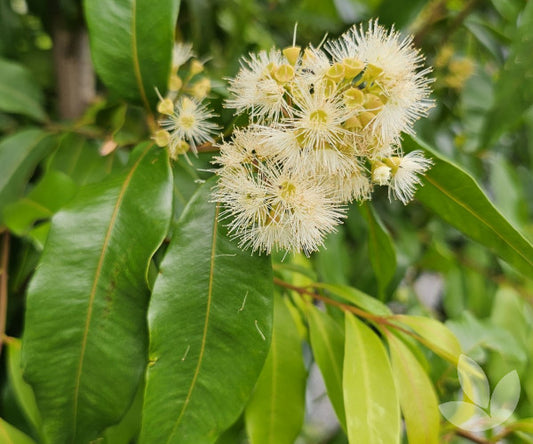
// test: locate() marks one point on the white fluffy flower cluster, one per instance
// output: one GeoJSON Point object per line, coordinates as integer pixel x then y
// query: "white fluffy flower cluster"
{"type": "Point", "coordinates": [325, 127]}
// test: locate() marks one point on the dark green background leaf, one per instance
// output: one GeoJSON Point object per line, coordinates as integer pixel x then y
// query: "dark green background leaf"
{"type": "Point", "coordinates": [210, 322]}
{"type": "Point", "coordinates": [131, 44]}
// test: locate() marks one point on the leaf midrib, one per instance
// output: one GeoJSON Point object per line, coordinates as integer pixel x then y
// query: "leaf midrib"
{"type": "Point", "coordinates": [96, 279]}
{"type": "Point", "coordinates": [135, 56]}
{"type": "Point", "coordinates": [483, 221]}
{"type": "Point", "coordinates": [206, 325]}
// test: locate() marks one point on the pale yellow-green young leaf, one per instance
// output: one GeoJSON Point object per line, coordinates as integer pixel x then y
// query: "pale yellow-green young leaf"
{"type": "Point", "coordinates": [434, 335]}
{"type": "Point", "coordinates": [370, 398]}
{"type": "Point", "coordinates": [418, 400]}
{"type": "Point", "coordinates": [11, 435]}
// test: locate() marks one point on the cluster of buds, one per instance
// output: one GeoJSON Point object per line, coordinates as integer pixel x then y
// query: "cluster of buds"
{"type": "Point", "coordinates": [325, 127]}
{"type": "Point", "coordinates": [186, 123]}
{"type": "Point", "coordinates": [452, 70]}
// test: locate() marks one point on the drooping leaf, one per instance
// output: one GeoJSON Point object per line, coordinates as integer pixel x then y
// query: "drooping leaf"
{"type": "Point", "coordinates": [11, 435]}
{"type": "Point", "coordinates": [327, 342]}
{"type": "Point", "coordinates": [84, 346]}
{"type": "Point", "coordinates": [210, 322]}
{"type": "Point", "coordinates": [131, 45]}
{"type": "Point", "coordinates": [23, 392]}
{"type": "Point", "coordinates": [370, 398]}
{"type": "Point", "coordinates": [19, 155]}
{"type": "Point", "coordinates": [19, 92]}
{"type": "Point", "coordinates": [53, 191]}
{"type": "Point", "coordinates": [276, 410]}
{"type": "Point", "coordinates": [418, 400]}
{"type": "Point", "coordinates": [434, 335]}
{"type": "Point", "coordinates": [380, 249]}
{"type": "Point", "coordinates": [455, 196]}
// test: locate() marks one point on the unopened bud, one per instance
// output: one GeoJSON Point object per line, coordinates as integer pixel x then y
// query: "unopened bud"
{"type": "Point", "coordinates": [174, 83]}
{"type": "Point", "coordinates": [352, 67]}
{"type": "Point", "coordinates": [353, 97]}
{"type": "Point", "coordinates": [201, 88]}
{"type": "Point", "coordinates": [353, 123]}
{"type": "Point", "coordinates": [180, 147]}
{"type": "Point", "coordinates": [366, 117]}
{"type": "Point", "coordinates": [161, 138]}
{"type": "Point", "coordinates": [372, 72]}
{"type": "Point", "coordinates": [373, 102]}
{"type": "Point", "coordinates": [165, 106]}
{"type": "Point", "coordinates": [196, 67]}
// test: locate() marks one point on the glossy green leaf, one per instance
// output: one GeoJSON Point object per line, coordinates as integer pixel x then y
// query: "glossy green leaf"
{"type": "Point", "coordinates": [210, 320]}
{"type": "Point", "coordinates": [19, 155]}
{"type": "Point", "coordinates": [131, 45]}
{"type": "Point", "coordinates": [79, 158]}
{"type": "Point", "coordinates": [418, 400]}
{"type": "Point", "coordinates": [456, 197]}
{"type": "Point", "coordinates": [23, 391]}
{"type": "Point", "coordinates": [434, 335]}
{"type": "Point", "coordinates": [327, 342]}
{"type": "Point", "coordinates": [19, 92]}
{"type": "Point", "coordinates": [53, 191]}
{"type": "Point", "coordinates": [357, 298]}
{"type": "Point", "coordinates": [380, 249]}
{"type": "Point", "coordinates": [84, 346]}
{"type": "Point", "coordinates": [130, 425]}
{"type": "Point", "coordinates": [11, 435]}
{"type": "Point", "coordinates": [370, 398]}
{"type": "Point", "coordinates": [276, 411]}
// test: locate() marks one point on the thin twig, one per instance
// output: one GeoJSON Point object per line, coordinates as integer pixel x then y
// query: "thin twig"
{"type": "Point", "coordinates": [207, 147]}
{"type": "Point", "coordinates": [3, 285]}
{"type": "Point", "coordinates": [472, 437]}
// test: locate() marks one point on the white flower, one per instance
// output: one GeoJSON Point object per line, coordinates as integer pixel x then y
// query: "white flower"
{"type": "Point", "coordinates": [353, 186]}
{"type": "Point", "coordinates": [255, 90]}
{"type": "Point", "coordinates": [190, 123]}
{"type": "Point", "coordinates": [405, 175]}
{"type": "Point", "coordinates": [246, 146]}
{"type": "Point", "coordinates": [394, 66]}
{"type": "Point", "coordinates": [275, 209]}
{"type": "Point", "coordinates": [181, 53]}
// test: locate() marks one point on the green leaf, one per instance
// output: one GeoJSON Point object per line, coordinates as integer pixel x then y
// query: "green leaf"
{"type": "Point", "coordinates": [418, 400]}
{"type": "Point", "coordinates": [131, 45]}
{"type": "Point", "coordinates": [456, 197]}
{"type": "Point", "coordinates": [357, 297]}
{"type": "Point", "coordinates": [11, 435]}
{"type": "Point", "coordinates": [23, 391]}
{"type": "Point", "coordinates": [130, 425]}
{"type": "Point", "coordinates": [210, 321]}
{"type": "Point", "coordinates": [327, 342]}
{"type": "Point", "coordinates": [523, 425]}
{"type": "Point", "coordinates": [79, 159]}
{"type": "Point", "coordinates": [19, 155]}
{"type": "Point", "coordinates": [370, 398]}
{"type": "Point", "coordinates": [380, 249]}
{"type": "Point", "coordinates": [19, 92]}
{"type": "Point", "coordinates": [84, 346]}
{"type": "Point", "coordinates": [53, 191]}
{"type": "Point", "coordinates": [434, 335]}
{"type": "Point", "coordinates": [276, 411]}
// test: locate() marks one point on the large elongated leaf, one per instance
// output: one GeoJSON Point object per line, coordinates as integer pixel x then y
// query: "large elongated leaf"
{"type": "Point", "coordinates": [19, 155]}
{"type": "Point", "coordinates": [210, 322]}
{"type": "Point", "coordinates": [276, 411]}
{"type": "Point", "coordinates": [11, 435]}
{"type": "Point", "coordinates": [456, 197]}
{"type": "Point", "coordinates": [84, 346]}
{"type": "Point", "coordinates": [131, 44]}
{"type": "Point", "coordinates": [327, 342]}
{"type": "Point", "coordinates": [19, 93]}
{"type": "Point", "coordinates": [417, 396]}
{"type": "Point", "coordinates": [370, 399]}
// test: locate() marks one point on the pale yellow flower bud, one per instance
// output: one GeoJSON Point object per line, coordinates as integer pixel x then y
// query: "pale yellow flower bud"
{"type": "Point", "coordinates": [352, 67]}
{"type": "Point", "coordinates": [165, 106]}
{"type": "Point", "coordinates": [174, 83]}
{"type": "Point", "coordinates": [196, 67]}
{"type": "Point", "coordinates": [373, 102]}
{"type": "Point", "coordinates": [366, 117]}
{"type": "Point", "coordinates": [284, 73]}
{"type": "Point", "coordinates": [381, 173]}
{"type": "Point", "coordinates": [177, 148]}
{"type": "Point", "coordinates": [353, 97]}
{"type": "Point", "coordinates": [201, 88]}
{"type": "Point", "coordinates": [336, 72]}
{"type": "Point", "coordinates": [161, 138]}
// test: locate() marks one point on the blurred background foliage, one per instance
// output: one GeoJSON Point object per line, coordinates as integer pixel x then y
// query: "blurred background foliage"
{"type": "Point", "coordinates": [480, 51]}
